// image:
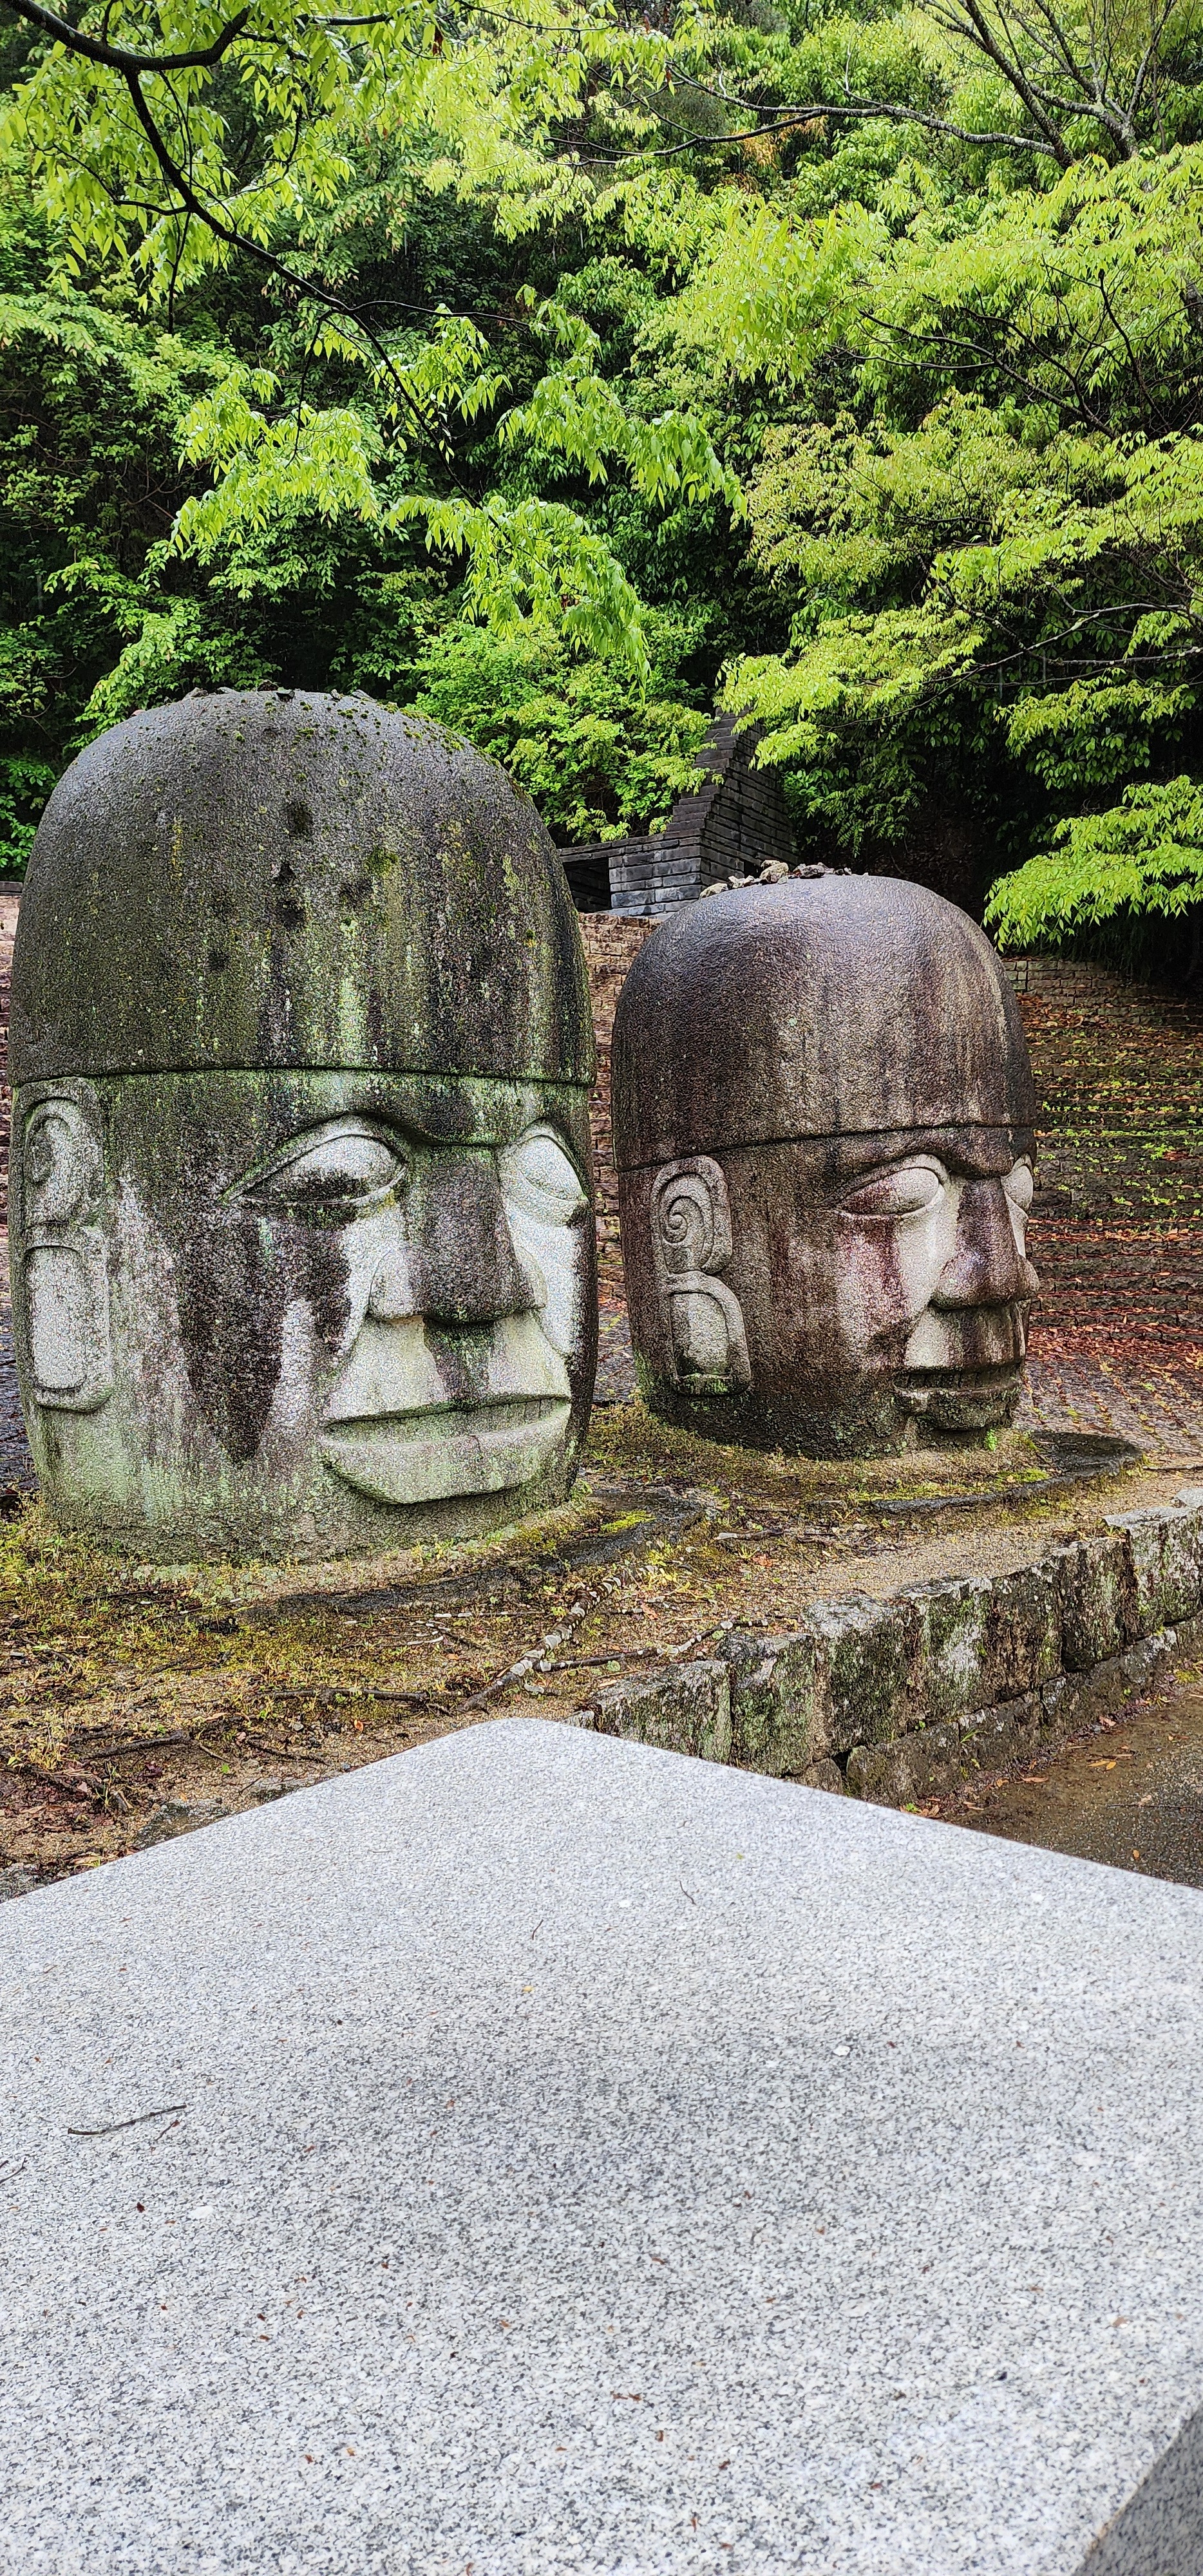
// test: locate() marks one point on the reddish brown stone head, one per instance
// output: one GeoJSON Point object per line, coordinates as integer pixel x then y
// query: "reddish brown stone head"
{"type": "Point", "coordinates": [823, 1116]}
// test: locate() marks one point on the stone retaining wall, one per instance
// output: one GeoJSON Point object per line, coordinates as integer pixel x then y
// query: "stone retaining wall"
{"type": "Point", "coordinates": [1063, 978]}
{"type": "Point", "coordinates": [901, 1699]}
{"type": "Point", "coordinates": [734, 822]}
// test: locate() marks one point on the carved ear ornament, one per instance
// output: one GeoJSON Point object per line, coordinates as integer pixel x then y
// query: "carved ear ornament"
{"type": "Point", "coordinates": [64, 1277]}
{"type": "Point", "coordinates": [691, 1243]}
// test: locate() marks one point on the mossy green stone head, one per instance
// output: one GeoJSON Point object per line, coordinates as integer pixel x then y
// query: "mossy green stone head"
{"type": "Point", "coordinates": [302, 1238]}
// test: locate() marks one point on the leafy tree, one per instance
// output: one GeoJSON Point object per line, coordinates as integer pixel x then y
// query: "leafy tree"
{"type": "Point", "coordinates": [600, 755]}
{"type": "Point", "coordinates": [88, 405]}
{"type": "Point", "coordinates": [163, 152]}
{"type": "Point", "coordinates": [995, 544]}
{"type": "Point", "coordinates": [531, 365]}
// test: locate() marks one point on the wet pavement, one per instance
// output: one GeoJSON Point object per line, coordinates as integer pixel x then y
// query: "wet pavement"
{"type": "Point", "coordinates": [1129, 1794]}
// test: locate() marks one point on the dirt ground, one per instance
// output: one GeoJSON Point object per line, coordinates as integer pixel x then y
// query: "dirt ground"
{"type": "Point", "coordinates": [138, 1700]}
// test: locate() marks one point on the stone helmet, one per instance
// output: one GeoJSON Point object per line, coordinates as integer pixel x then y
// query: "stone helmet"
{"type": "Point", "coordinates": [280, 879]}
{"type": "Point", "coordinates": [823, 1006]}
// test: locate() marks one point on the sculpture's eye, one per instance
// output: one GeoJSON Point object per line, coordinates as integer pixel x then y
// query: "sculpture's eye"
{"type": "Point", "coordinates": [539, 1180]}
{"type": "Point", "coordinates": [910, 1190]}
{"type": "Point", "coordinates": [333, 1172]}
{"type": "Point", "coordinates": [1019, 1186]}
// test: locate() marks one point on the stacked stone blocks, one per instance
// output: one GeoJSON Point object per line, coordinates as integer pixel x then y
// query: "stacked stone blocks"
{"type": "Point", "coordinates": [732, 826]}
{"type": "Point", "coordinates": [612, 942]}
{"type": "Point", "coordinates": [904, 1698]}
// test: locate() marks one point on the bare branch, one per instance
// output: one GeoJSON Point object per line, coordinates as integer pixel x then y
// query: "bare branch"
{"type": "Point", "coordinates": [975, 27]}
{"type": "Point", "coordinates": [1149, 57]}
{"type": "Point", "coordinates": [1054, 41]}
{"type": "Point", "coordinates": [988, 360]}
{"type": "Point", "coordinates": [1044, 33]}
{"type": "Point", "coordinates": [882, 108]}
{"type": "Point", "coordinates": [1045, 644]}
{"type": "Point", "coordinates": [1133, 355]}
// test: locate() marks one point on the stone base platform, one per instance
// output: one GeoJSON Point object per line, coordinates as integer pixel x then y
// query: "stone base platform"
{"type": "Point", "coordinates": [540, 2154]}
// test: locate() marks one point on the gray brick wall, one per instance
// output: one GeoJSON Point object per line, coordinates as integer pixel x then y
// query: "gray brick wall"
{"type": "Point", "coordinates": [734, 824]}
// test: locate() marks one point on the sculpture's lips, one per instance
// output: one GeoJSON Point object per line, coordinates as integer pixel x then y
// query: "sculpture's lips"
{"type": "Point", "coordinates": [966, 1399]}
{"type": "Point", "coordinates": [427, 1455]}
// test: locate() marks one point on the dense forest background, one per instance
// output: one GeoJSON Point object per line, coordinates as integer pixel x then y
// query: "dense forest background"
{"type": "Point", "coordinates": [567, 371]}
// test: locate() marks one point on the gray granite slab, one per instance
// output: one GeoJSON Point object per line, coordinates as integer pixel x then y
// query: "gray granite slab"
{"type": "Point", "coordinates": [596, 2159]}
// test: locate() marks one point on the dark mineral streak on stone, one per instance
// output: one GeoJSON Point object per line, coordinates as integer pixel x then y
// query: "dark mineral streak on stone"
{"type": "Point", "coordinates": [232, 1301]}
{"type": "Point", "coordinates": [465, 1272]}
{"type": "Point", "coordinates": [238, 1278]}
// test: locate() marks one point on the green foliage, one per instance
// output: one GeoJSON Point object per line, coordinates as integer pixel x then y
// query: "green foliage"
{"type": "Point", "coordinates": [1002, 533]}
{"type": "Point", "coordinates": [599, 755]}
{"type": "Point", "coordinates": [549, 369]}
{"type": "Point", "coordinates": [200, 141]}
{"type": "Point", "coordinates": [25, 784]}
{"type": "Point", "coordinates": [1144, 855]}
{"type": "Point", "coordinates": [88, 405]}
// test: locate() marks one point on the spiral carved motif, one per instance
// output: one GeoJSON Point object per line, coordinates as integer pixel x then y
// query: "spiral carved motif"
{"type": "Point", "coordinates": [691, 1234]}
{"type": "Point", "coordinates": [691, 1217]}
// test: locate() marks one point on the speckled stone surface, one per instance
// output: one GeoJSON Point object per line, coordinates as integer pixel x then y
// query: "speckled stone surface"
{"type": "Point", "coordinates": [595, 2159]}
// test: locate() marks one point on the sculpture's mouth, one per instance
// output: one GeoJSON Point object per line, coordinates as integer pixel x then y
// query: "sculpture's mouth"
{"type": "Point", "coordinates": [436, 1451]}
{"type": "Point", "coordinates": [961, 1399]}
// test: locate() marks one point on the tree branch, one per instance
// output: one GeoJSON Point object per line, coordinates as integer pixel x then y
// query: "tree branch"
{"type": "Point", "coordinates": [132, 68]}
{"type": "Point", "coordinates": [1149, 56]}
{"type": "Point", "coordinates": [970, 22]}
{"type": "Point", "coordinates": [236, 240]}
{"type": "Point", "coordinates": [885, 109]}
{"type": "Point", "coordinates": [987, 361]}
{"type": "Point", "coordinates": [117, 58]}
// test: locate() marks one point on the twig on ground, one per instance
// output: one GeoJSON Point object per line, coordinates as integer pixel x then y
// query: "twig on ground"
{"type": "Point", "coordinates": [169, 2111]}
{"type": "Point", "coordinates": [155, 1743]}
{"type": "Point", "coordinates": [617, 1655]}
{"type": "Point", "coordinates": [634, 1654]}
{"type": "Point", "coordinates": [517, 1672]}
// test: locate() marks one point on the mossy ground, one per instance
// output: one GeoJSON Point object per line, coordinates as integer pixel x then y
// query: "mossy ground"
{"type": "Point", "coordinates": [128, 1692]}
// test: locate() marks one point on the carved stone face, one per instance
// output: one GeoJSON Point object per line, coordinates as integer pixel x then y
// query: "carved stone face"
{"type": "Point", "coordinates": [295, 1310]}
{"type": "Point", "coordinates": [300, 1305]}
{"type": "Point", "coordinates": [839, 1292]}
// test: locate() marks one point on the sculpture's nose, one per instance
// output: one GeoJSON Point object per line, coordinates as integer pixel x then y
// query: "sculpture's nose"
{"type": "Point", "coordinates": [987, 1267]}
{"type": "Point", "coordinates": [456, 1262]}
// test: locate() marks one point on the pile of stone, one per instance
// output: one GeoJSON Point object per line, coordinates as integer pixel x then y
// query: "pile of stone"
{"type": "Point", "coordinates": [775, 873]}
